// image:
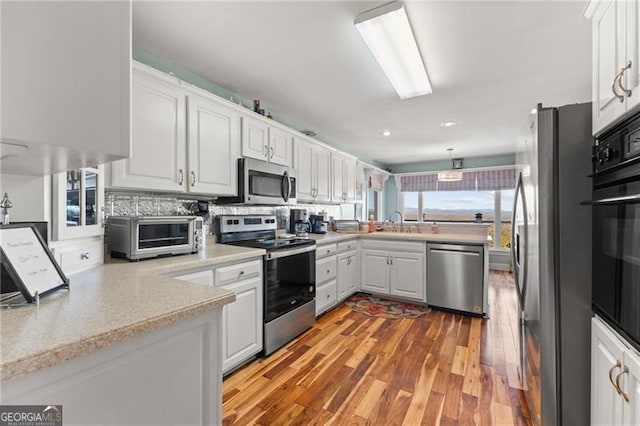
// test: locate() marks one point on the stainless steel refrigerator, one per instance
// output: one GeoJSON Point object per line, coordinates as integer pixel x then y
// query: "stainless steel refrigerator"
{"type": "Point", "coordinates": [551, 258]}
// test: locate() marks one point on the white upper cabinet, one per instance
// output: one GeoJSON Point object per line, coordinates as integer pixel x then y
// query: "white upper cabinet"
{"type": "Point", "coordinates": [158, 150]}
{"type": "Point", "coordinates": [175, 148]}
{"type": "Point", "coordinates": [313, 171]}
{"type": "Point", "coordinates": [255, 139]}
{"type": "Point", "coordinates": [344, 178]}
{"type": "Point", "coordinates": [213, 140]}
{"type": "Point", "coordinates": [78, 200]}
{"type": "Point", "coordinates": [616, 61]}
{"type": "Point", "coordinates": [66, 74]}
{"type": "Point", "coordinates": [266, 143]}
{"type": "Point", "coordinates": [280, 147]}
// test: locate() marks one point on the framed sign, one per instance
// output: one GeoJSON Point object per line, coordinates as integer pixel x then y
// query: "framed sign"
{"type": "Point", "coordinates": [28, 261]}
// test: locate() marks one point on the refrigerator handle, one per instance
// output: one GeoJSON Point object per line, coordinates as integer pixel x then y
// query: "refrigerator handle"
{"type": "Point", "coordinates": [523, 266]}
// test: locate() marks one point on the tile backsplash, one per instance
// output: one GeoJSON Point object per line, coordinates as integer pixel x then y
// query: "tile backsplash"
{"type": "Point", "coordinates": [148, 204]}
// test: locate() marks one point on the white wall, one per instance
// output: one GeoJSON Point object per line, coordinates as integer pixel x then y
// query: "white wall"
{"type": "Point", "coordinates": [31, 196]}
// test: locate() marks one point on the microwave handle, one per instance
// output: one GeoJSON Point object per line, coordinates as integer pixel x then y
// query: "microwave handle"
{"type": "Point", "coordinates": [285, 186]}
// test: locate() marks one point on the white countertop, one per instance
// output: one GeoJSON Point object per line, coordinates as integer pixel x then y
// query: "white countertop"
{"type": "Point", "coordinates": [453, 238]}
{"type": "Point", "coordinates": [107, 305]}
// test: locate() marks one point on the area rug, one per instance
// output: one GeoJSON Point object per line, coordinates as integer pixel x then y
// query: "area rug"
{"type": "Point", "coordinates": [376, 307]}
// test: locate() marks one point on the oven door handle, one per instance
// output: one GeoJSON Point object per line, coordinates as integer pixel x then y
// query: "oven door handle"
{"type": "Point", "coordinates": [284, 253]}
{"type": "Point", "coordinates": [625, 199]}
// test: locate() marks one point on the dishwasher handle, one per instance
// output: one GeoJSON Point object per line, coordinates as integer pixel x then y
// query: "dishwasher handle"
{"type": "Point", "coordinates": [450, 251]}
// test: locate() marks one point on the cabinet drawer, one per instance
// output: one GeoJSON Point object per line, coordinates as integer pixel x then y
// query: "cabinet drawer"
{"type": "Point", "coordinates": [325, 269]}
{"type": "Point", "coordinates": [240, 271]}
{"type": "Point", "coordinates": [80, 257]}
{"type": "Point", "coordinates": [326, 296]}
{"type": "Point", "coordinates": [326, 250]}
{"type": "Point", "coordinates": [347, 246]}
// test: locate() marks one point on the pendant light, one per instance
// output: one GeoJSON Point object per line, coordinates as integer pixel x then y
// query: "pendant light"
{"type": "Point", "coordinates": [450, 175]}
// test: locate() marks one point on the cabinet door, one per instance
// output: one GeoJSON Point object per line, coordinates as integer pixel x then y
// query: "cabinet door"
{"type": "Point", "coordinates": [344, 275]}
{"type": "Point", "coordinates": [323, 174]}
{"type": "Point", "coordinates": [158, 145]}
{"type": "Point", "coordinates": [78, 200]}
{"type": "Point", "coordinates": [255, 139]}
{"type": "Point", "coordinates": [375, 271]}
{"type": "Point", "coordinates": [214, 147]}
{"type": "Point", "coordinates": [408, 275]}
{"type": "Point", "coordinates": [606, 352]}
{"type": "Point", "coordinates": [608, 57]}
{"type": "Point", "coordinates": [337, 181]}
{"type": "Point", "coordinates": [630, 384]}
{"type": "Point", "coordinates": [305, 168]}
{"type": "Point", "coordinates": [280, 147]}
{"type": "Point", "coordinates": [354, 270]}
{"type": "Point", "coordinates": [242, 324]}
{"type": "Point", "coordinates": [350, 179]}
{"type": "Point", "coordinates": [631, 79]}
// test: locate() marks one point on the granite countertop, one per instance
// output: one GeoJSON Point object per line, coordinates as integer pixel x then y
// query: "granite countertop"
{"type": "Point", "coordinates": [107, 305]}
{"type": "Point", "coordinates": [458, 238]}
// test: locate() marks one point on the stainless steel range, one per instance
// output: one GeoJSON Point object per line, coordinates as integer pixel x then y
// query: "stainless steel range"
{"type": "Point", "coordinates": [289, 275]}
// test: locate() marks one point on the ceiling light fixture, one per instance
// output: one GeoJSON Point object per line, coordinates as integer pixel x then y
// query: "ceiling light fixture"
{"type": "Point", "coordinates": [388, 34]}
{"type": "Point", "coordinates": [386, 133]}
{"type": "Point", "coordinates": [450, 175]}
{"type": "Point", "coordinates": [449, 123]}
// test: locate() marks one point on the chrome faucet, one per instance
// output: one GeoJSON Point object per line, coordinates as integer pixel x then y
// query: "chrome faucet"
{"type": "Point", "coordinates": [400, 214]}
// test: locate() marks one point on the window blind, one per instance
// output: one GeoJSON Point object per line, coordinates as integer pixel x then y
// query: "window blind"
{"type": "Point", "coordinates": [478, 180]}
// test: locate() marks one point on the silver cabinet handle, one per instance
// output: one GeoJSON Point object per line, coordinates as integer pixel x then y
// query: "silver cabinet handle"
{"type": "Point", "coordinates": [617, 365]}
{"type": "Point", "coordinates": [193, 178]}
{"type": "Point", "coordinates": [181, 177]}
{"type": "Point", "coordinates": [266, 150]}
{"type": "Point", "coordinates": [241, 273]}
{"type": "Point", "coordinates": [272, 152]}
{"type": "Point", "coordinates": [620, 391]}
{"type": "Point", "coordinates": [85, 256]}
{"type": "Point", "coordinates": [328, 271]}
{"type": "Point", "coordinates": [617, 83]}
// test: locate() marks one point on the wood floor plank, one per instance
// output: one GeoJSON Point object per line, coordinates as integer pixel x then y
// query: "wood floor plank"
{"type": "Point", "coordinates": [350, 368]}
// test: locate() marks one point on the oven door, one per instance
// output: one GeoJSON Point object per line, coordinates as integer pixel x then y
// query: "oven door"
{"type": "Point", "coordinates": [290, 280]}
{"type": "Point", "coordinates": [162, 235]}
{"type": "Point", "coordinates": [616, 256]}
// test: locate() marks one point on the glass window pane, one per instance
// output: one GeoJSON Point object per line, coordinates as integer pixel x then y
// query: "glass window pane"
{"type": "Point", "coordinates": [91, 206]}
{"type": "Point", "coordinates": [73, 197]}
{"type": "Point", "coordinates": [458, 206]}
{"type": "Point", "coordinates": [507, 211]}
{"type": "Point", "coordinates": [410, 212]}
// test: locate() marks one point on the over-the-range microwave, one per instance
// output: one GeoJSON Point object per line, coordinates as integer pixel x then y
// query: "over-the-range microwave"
{"type": "Point", "coordinates": [263, 183]}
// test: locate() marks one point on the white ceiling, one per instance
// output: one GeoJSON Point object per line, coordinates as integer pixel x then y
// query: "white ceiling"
{"type": "Point", "coordinates": [489, 63]}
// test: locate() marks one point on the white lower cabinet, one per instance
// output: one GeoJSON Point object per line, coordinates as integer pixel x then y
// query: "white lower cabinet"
{"type": "Point", "coordinates": [242, 320]}
{"type": "Point", "coordinates": [326, 273]}
{"type": "Point", "coordinates": [615, 378]}
{"type": "Point", "coordinates": [347, 274]}
{"type": "Point", "coordinates": [394, 268]}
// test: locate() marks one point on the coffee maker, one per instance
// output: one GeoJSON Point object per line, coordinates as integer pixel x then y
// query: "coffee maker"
{"type": "Point", "coordinates": [299, 222]}
{"type": "Point", "coordinates": [318, 224]}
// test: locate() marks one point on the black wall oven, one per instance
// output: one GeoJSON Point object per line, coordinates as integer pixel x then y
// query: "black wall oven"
{"type": "Point", "coordinates": [616, 229]}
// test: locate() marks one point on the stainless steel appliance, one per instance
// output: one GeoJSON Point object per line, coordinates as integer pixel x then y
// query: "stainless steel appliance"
{"type": "Point", "coordinates": [318, 224]}
{"type": "Point", "coordinates": [616, 228]}
{"type": "Point", "coordinates": [141, 237]}
{"type": "Point", "coordinates": [455, 277]}
{"type": "Point", "coordinates": [289, 275]}
{"type": "Point", "coordinates": [550, 250]}
{"type": "Point", "coordinates": [346, 226]}
{"type": "Point", "coordinates": [263, 184]}
{"type": "Point", "coordinates": [295, 216]}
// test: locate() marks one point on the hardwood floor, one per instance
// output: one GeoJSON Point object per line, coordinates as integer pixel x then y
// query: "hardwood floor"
{"type": "Point", "coordinates": [441, 368]}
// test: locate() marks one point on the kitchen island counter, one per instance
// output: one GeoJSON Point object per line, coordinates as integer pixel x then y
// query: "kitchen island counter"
{"type": "Point", "coordinates": [107, 305]}
{"type": "Point", "coordinates": [454, 238]}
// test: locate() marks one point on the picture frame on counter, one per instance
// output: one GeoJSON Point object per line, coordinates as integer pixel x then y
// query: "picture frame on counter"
{"type": "Point", "coordinates": [27, 263]}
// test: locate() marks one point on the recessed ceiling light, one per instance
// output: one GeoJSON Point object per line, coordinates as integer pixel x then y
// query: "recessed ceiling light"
{"type": "Point", "coordinates": [534, 111]}
{"type": "Point", "coordinates": [386, 133]}
{"type": "Point", "coordinates": [449, 123]}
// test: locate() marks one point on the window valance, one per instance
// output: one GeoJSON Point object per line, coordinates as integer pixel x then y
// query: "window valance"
{"type": "Point", "coordinates": [477, 180]}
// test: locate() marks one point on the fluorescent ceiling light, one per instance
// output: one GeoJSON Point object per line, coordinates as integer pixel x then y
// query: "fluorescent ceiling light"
{"type": "Point", "coordinates": [450, 176]}
{"type": "Point", "coordinates": [387, 32]}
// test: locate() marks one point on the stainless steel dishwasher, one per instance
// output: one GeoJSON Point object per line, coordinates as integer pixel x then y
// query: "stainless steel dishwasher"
{"type": "Point", "coordinates": [455, 277]}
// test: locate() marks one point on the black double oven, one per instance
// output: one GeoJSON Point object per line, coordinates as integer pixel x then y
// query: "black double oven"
{"type": "Point", "coordinates": [616, 228]}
